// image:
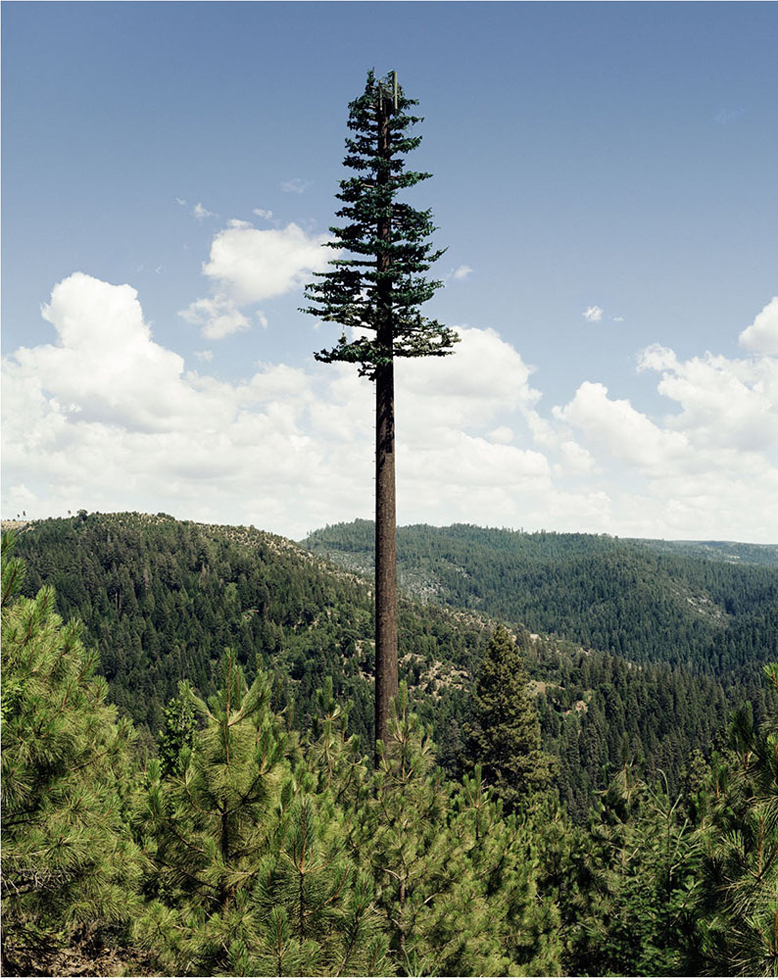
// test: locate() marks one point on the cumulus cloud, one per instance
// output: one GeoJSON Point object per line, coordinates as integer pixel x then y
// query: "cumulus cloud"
{"type": "Point", "coordinates": [105, 363]}
{"type": "Point", "coordinates": [762, 335]}
{"type": "Point", "coordinates": [263, 213]}
{"type": "Point", "coordinates": [705, 469]}
{"type": "Point", "coordinates": [502, 434]}
{"type": "Point", "coordinates": [724, 403]}
{"type": "Point", "coordinates": [593, 314]}
{"type": "Point", "coordinates": [623, 431]}
{"type": "Point", "coordinates": [255, 264]}
{"type": "Point", "coordinates": [218, 317]}
{"type": "Point", "coordinates": [248, 265]}
{"type": "Point", "coordinates": [106, 418]}
{"type": "Point", "coordinates": [484, 377]}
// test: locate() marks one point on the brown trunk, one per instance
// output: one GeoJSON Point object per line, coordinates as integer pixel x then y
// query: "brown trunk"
{"type": "Point", "coordinates": [385, 554]}
{"type": "Point", "coordinates": [385, 513]}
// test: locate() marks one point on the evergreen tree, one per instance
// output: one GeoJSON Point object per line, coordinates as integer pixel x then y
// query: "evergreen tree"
{"type": "Point", "coordinates": [504, 736]}
{"type": "Point", "coordinates": [376, 292]}
{"type": "Point", "coordinates": [207, 827]}
{"type": "Point", "coordinates": [68, 859]}
{"type": "Point", "coordinates": [315, 908]}
{"type": "Point", "coordinates": [455, 882]}
{"type": "Point", "coordinates": [179, 732]}
{"type": "Point", "coordinates": [739, 836]}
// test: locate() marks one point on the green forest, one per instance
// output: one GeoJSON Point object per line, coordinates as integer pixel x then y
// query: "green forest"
{"type": "Point", "coordinates": [187, 782]}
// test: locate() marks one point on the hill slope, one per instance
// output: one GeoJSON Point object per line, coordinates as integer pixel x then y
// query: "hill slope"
{"type": "Point", "coordinates": [646, 601]}
{"type": "Point", "coordinates": [161, 599]}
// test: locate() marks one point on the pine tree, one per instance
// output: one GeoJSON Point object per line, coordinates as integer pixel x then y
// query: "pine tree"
{"type": "Point", "coordinates": [67, 773]}
{"type": "Point", "coordinates": [376, 292]}
{"type": "Point", "coordinates": [179, 732]}
{"type": "Point", "coordinates": [208, 826]}
{"type": "Point", "coordinates": [455, 882]}
{"type": "Point", "coordinates": [504, 736]}
{"type": "Point", "coordinates": [739, 881]}
{"type": "Point", "coordinates": [315, 907]}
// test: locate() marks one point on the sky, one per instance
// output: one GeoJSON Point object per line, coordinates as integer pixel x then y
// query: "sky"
{"type": "Point", "coordinates": [604, 182]}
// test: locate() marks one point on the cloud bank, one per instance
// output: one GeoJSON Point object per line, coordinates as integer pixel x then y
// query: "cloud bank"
{"type": "Point", "coordinates": [107, 419]}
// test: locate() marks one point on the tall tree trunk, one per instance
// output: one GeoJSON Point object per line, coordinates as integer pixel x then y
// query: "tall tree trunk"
{"type": "Point", "coordinates": [385, 553]}
{"type": "Point", "coordinates": [385, 509]}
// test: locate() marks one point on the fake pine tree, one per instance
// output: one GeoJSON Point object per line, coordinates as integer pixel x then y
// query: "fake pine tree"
{"type": "Point", "coordinates": [374, 289]}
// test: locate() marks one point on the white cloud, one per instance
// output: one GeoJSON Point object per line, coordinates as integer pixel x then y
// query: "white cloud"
{"type": "Point", "coordinates": [254, 264]}
{"type": "Point", "coordinates": [296, 186]}
{"type": "Point", "coordinates": [263, 213]}
{"type": "Point", "coordinates": [762, 334]}
{"type": "Point", "coordinates": [218, 317]}
{"type": "Point", "coordinates": [248, 265]}
{"type": "Point", "coordinates": [202, 212]}
{"type": "Point", "coordinates": [462, 272]}
{"type": "Point", "coordinates": [503, 434]}
{"type": "Point", "coordinates": [106, 418]}
{"type": "Point", "coordinates": [725, 403]}
{"type": "Point", "coordinates": [575, 459]}
{"type": "Point", "coordinates": [181, 202]}
{"type": "Point", "coordinates": [484, 377]}
{"type": "Point", "coordinates": [204, 355]}
{"type": "Point", "coordinates": [105, 364]}
{"type": "Point", "coordinates": [706, 470]}
{"type": "Point", "coordinates": [621, 430]}
{"type": "Point", "coordinates": [593, 314]}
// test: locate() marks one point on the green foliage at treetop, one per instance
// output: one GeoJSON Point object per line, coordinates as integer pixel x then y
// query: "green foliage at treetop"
{"type": "Point", "coordinates": [377, 285]}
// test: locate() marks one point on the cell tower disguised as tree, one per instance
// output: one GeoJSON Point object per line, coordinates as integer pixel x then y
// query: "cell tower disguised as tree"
{"type": "Point", "coordinates": [374, 289]}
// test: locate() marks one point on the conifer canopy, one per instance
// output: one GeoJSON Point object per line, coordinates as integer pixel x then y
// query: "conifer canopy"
{"type": "Point", "coordinates": [377, 286]}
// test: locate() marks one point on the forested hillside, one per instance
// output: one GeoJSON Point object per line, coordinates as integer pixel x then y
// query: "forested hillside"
{"type": "Point", "coordinates": [650, 602]}
{"type": "Point", "coordinates": [248, 848]}
{"type": "Point", "coordinates": [162, 599]}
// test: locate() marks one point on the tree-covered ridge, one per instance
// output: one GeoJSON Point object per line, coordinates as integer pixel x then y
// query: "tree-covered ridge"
{"type": "Point", "coordinates": [162, 599]}
{"type": "Point", "coordinates": [624, 597]}
{"type": "Point", "coordinates": [731, 552]}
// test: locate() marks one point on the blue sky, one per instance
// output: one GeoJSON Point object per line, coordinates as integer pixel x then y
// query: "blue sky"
{"type": "Point", "coordinates": [604, 180]}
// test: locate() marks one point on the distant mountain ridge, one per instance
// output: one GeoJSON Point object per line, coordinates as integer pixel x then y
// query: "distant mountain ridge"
{"type": "Point", "coordinates": [734, 552]}
{"type": "Point", "coordinates": [710, 606]}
